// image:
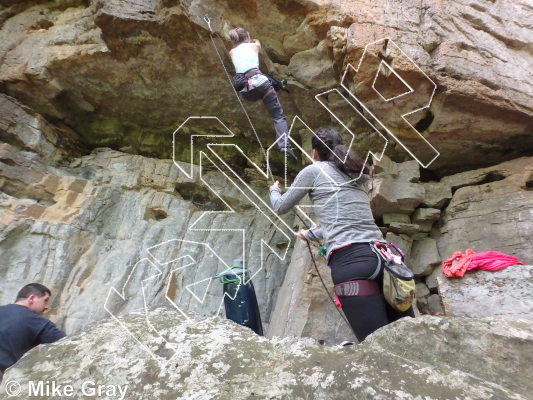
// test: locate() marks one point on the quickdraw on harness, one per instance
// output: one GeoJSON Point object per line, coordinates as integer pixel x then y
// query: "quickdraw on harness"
{"type": "Point", "coordinates": [389, 252]}
{"type": "Point", "coordinates": [249, 80]}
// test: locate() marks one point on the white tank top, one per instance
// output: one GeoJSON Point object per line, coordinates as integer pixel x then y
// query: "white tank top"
{"type": "Point", "coordinates": [244, 57]}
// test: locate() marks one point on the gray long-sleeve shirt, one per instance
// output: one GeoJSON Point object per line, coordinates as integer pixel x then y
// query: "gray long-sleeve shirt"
{"type": "Point", "coordinates": [343, 208]}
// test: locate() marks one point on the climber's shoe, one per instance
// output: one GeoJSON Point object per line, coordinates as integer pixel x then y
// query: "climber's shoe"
{"type": "Point", "coordinates": [289, 155]}
{"type": "Point", "coordinates": [284, 86]}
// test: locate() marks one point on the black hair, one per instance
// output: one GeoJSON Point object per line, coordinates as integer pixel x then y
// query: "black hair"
{"type": "Point", "coordinates": [328, 143]}
{"type": "Point", "coordinates": [32, 288]}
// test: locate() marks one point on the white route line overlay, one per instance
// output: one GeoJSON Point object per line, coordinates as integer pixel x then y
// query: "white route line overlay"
{"type": "Point", "coordinates": [383, 62]}
{"type": "Point", "coordinates": [344, 86]}
{"type": "Point", "coordinates": [122, 295]}
{"type": "Point", "coordinates": [266, 174]}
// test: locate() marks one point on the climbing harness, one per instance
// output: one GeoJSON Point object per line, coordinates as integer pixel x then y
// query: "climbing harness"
{"type": "Point", "coordinates": [211, 36]}
{"type": "Point", "coordinates": [357, 288]}
{"type": "Point", "coordinates": [246, 81]}
{"type": "Point", "coordinates": [255, 78]}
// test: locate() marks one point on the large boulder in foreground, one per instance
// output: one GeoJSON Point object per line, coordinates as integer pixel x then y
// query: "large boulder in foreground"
{"type": "Point", "coordinates": [212, 358]}
{"type": "Point", "coordinates": [507, 293]}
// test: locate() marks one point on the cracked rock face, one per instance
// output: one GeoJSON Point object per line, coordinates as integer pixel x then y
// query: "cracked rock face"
{"type": "Point", "coordinates": [91, 226]}
{"type": "Point", "coordinates": [91, 92]}
{"type": "Point", "coordinates": [210, 358]}
{"type": "Point", "coordinates": [491, 208]}
{"type": "Point", "coordinates": [504, 294]}
{"type": "Point", "coordinates": [90, 220]}
{"type": "Point", "coordinates": [125, 74]}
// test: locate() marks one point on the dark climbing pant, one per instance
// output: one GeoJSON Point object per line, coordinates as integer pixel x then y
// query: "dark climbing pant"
{"type": "Point", "coordinates": [365, 314]}
{"type": "Point", "coordinates": [270, 99]}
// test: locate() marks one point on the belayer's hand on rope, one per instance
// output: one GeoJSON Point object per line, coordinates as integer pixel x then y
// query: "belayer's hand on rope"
{"type": "Point", "coordinates": [274, 186]}
{"type": "Point", "coordinates": [302, 234]}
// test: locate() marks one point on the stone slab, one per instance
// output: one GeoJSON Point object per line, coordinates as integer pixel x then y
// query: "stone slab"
{"type": "Point", "coordinates": [506, 293]}
{"type": "Point", "coordinates": [213, 358]}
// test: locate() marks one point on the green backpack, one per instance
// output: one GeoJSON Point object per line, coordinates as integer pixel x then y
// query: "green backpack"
{"type": "Point", "coordinates": [398, 279]}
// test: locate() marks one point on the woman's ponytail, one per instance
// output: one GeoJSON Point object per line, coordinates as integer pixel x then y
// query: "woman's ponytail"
{"type": "Point", "coordinates": [347, 161]}
{"type": "Point", "coordinates": [328, 144]}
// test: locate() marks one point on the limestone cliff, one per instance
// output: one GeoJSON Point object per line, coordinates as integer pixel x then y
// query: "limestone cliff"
{"type": "Point", "coordinates": [125, 74]}
{"type": "Point", "coordinates": [94, 190]}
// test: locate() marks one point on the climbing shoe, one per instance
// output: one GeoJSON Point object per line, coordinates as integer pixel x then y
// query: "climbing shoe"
{"type": "Point", "coordinates": [284, 86]}
{"type": "Point", "coordinates": [290, 155]}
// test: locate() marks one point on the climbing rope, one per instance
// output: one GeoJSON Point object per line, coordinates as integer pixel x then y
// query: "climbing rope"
{"type": "Point", "coordinates": [325, 287]}
{"type": "Point", "coordinates": [321, 279]}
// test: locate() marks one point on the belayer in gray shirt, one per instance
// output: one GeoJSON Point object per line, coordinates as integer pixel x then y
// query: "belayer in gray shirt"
{"type": "Point", "coordinates": [334, 183]}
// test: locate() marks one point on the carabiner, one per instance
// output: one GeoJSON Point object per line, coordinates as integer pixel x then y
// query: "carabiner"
{"type": "Point", "coordinates": [208, 22]}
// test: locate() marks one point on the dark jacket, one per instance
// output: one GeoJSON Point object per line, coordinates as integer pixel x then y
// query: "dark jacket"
{"type": "Point", "coordinates": [22, 329]}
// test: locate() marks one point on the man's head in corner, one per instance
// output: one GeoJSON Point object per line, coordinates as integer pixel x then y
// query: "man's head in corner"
{"type": "Point", "coordinates": [35, 297]}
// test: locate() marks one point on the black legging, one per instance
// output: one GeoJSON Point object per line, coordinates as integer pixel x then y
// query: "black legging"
{"type": "Point", "coordinates": [365, 313]}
